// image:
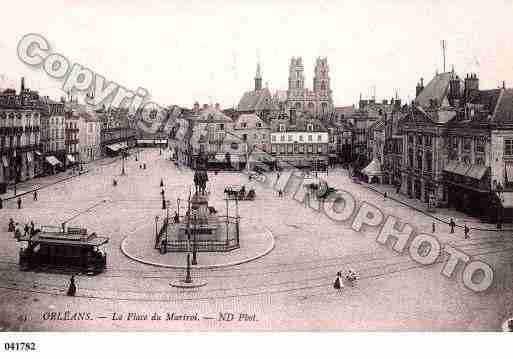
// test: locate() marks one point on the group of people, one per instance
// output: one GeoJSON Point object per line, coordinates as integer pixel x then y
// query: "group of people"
{"type": "Point", "coordinates": [19, 231]}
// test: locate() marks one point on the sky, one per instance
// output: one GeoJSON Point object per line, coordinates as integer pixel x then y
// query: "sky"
{"type": "Point", "coordinates": [187, 51]}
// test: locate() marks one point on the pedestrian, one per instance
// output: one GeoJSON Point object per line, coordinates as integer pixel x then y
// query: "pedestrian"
{"type": "Point", "coordinates": [467, 230]}
{"type": "Point", "coordinates": [72, 289]}
{"type": "Point", "coordinates": [1, 203]}
{"type": "Point", "coordinates": [144, 167]}
{"type": "Point", "coordinates": [32, 228]}
{"type": "Point", "coordinates": [140, 167]}
{"type": "Point", "coordinates": [176, 218]}
{"type": "Point", "coordinates": [17, 232]}
{"type": "Point", "coordinates": [433, 227]}
{"type": "Point", "coordinates": [384, 196]}
{"type": "Point", "coordinates": [19, 202]}
{"type": "Point", "coordinates": [11, 226]}
{"type": "Point", "coordinates": [452, 224]}
{"type": "Point", "coordinates": [397, 189]}
{"type": "Point", "coordinates": [26, 229]}
{"type": "Point", "coordinates": [35, 195]}
{"type": "Point", "coordinates": [161, 182]}
{"type": "Point", "coordinates": [278, 176]}
{"type": "Point", "coordinates": [338, 284]}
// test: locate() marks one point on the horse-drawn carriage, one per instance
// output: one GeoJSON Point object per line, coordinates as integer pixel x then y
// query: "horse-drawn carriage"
{"type": "Point", "coordinates": [239, 193]}
{"type": "Point", "coordinates": [320, 189]}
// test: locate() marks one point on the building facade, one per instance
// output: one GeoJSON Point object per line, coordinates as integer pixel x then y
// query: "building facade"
{"type": "Point", "coordinates": [300, 142]}
{"type": "Point", "coordinates": [20, 135]}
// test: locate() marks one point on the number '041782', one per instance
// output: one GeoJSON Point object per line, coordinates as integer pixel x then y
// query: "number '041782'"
{"type": "Point", "coordinates": [21, 346]}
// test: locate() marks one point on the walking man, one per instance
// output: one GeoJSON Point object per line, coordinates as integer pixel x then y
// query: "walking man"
{"type": "Point", "coordinates": [433, 227]}
{"type": "Point", "coordinates": [384, 196]}
{"type": "Point", "coordinates": [35, 195]}
{"type": "Point", "coordinates": [1, 203]}
{"type": "Point", "coordinates": [19, 202]}
{"type": "Point", "coordinates": [452, 224]}
{"type": "Point", "coordinates": [467, 230]}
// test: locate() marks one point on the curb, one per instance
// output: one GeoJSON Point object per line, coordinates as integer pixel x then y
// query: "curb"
{"type": "Point", "coordinates": [212, 266]}
{"type": "Point", "coordinates": [45, 186]}
{"type": "Point", "coordinates": [430, 215]}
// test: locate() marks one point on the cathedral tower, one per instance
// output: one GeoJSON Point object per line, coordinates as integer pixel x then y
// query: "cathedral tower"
{"type": "Point", "coordinates": [258, 78]}
{"type": "Point", "coordinates": [296, 75]}
{"type": "Point", "coordinates": [321, 81]}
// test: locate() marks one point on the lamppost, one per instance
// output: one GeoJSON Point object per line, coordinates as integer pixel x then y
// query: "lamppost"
{"type": "Point", "coordinates": [178, 207]}
{"type": "Point", "coordinates": [15, 159]}
{"type": "Point", "coordinates": [194, 259]}
{"type": "Point", "coordinates": [498, 190]}
{"type": "Point", "coordinates": [156, 232]}
{"type": "Point", "coordinates": [123, 163]}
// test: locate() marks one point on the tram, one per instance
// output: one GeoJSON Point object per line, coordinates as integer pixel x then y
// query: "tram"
{"type": "Point", "coordinates": [72, 250]}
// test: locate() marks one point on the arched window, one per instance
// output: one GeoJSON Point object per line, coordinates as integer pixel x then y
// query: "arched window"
{"type": "Point", "coordinates": [298, 105]}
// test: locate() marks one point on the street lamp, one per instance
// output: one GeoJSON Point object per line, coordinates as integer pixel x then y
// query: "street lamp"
{"type": "Point", "coordinates": [498, 190]}
{"type": "Point", "coordinates": [194, 259]}
{"type": "Point", "coordinates": [123, 163]}
{"type": "Point", "coordinates": [156, 232]}
{"type": "Point", "coordinates": [15, 170]}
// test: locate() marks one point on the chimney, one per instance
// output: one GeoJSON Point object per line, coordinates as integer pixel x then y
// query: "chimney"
{"type": "Point", "coordinates": [420, 87]}
{"type": "Point", "coordinates": [292, 116]}
{"type": "Point", "coordinates": [454, 90]}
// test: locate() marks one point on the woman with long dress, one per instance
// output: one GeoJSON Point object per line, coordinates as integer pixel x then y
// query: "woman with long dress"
{"type": "Point", "coordinates": [72, 289]}
{"type": "Point", "coordinates": [338, 281]}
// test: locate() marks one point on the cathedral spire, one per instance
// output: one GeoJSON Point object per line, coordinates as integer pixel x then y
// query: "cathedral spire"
{"type": "Point", "coordinates": [258, 78]}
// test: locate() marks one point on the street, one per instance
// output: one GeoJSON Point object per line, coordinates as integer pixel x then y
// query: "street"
{"type": "Point", "coordinates": [291, 287]}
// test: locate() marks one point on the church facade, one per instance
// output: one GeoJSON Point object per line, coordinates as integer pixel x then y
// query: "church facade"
{"type": "Point", "coordinates": [317, 100]}
{"type": "Point", "coordinates": [297, 97]}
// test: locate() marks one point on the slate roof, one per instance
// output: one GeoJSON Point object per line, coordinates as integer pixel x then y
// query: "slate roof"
{"type": "Point", "coordinates": [259, 100]}
{"type": "Point", "coordinates": [504, 111]}
{"type": "Point", "coordinates": [436, 89]}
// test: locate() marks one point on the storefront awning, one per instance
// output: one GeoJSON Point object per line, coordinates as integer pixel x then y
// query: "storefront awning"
{"type": "Point", "coordinates": [457, 168]}
{"type": "Point", "coordinates": [114, 147]}
{"type": "Point", "coordinates": [5, 161]}
{"type": "Point", "coordinates": [509, 172]}
{"type": "Point", "coordinates": [477, 171]}
{"type": "Point", "coordinates": [53, 161]}
{"type": "Point", "coordinates": [507, 199]}
{"type": "Point", "coordinates": [70, 158]}
{"type": "Point", "coordinates": [373, 168]}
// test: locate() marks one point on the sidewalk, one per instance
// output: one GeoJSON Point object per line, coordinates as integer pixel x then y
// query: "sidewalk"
{"type": "Point", "coordinates": [28, 187]}
{"type": "Point", "coordinates": [440, 214]}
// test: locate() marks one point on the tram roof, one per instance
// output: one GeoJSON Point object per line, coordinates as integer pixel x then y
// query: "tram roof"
{"type": "Point", "coordinates": [67, 239]}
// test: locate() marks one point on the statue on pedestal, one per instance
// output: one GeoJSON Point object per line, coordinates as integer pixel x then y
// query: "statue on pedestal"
{"type": "Point", "coordinates": [200, 181]}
